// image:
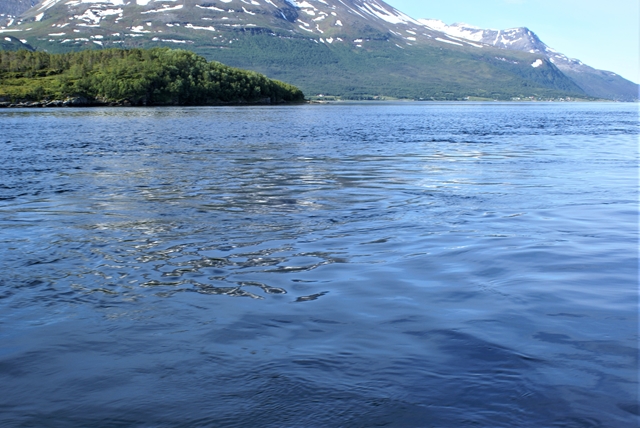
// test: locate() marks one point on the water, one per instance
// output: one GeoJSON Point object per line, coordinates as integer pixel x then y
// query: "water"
{"type": "Point", "coordinates": [354, 265]}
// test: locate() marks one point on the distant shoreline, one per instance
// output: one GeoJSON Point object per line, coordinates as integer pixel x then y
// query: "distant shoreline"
{"type": "Point", "coordinates": [84, 103]}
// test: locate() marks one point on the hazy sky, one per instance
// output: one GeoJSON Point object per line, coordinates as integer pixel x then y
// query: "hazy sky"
{"type": "Point", "coordinates": [604, 34]}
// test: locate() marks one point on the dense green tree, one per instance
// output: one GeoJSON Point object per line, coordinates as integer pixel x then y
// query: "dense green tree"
{"type": "Point", "coordinates": [158, 76]}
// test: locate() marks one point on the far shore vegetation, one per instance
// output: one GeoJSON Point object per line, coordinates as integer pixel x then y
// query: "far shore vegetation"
{"type": "Point", "coordinates": [154, 77]}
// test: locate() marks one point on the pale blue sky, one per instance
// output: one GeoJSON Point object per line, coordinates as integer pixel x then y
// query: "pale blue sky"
{"type": "Point", "coordinates": [604, 34]}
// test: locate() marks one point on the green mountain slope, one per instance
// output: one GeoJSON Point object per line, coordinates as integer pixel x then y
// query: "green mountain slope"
{"type": "Point", "coordinates": [382, 70]}
{"type": "Point", "coordinates": [602, 84]}
{"type": "Point", "coordinates": [10, 43]}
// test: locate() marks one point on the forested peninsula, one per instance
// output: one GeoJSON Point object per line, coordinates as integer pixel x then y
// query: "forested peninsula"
{"type": "Point", "coordinates": [132, 77]}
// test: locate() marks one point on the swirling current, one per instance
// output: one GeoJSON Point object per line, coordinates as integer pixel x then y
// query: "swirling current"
{"type": "Point", "coordinates": [341, 265]}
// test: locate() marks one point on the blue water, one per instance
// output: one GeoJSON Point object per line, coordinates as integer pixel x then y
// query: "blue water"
{"type": "Point", "coordinates": [347, 265]}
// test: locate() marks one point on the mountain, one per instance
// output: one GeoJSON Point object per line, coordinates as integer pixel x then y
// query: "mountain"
{"type": "Point", "coordinates": [595, 83]}
{"type": "Point", "coordinates": [16, 7]}
{"type": "Point", "coordinates": [349, 48]}
{"type": "Point", "coordinates": [11, 9]}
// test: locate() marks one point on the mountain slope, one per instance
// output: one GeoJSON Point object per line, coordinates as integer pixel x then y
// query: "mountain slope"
{"type": "Point", "coordinates": [349, 48]}
{"type": "Point", "coordinates": [16, 7]}
{"type": "Point", "coordinates": [11, 9]}
{"type": "Point", "coordinates": [10, 43]}
{"type": "Point", "coordinates": [596, 83]}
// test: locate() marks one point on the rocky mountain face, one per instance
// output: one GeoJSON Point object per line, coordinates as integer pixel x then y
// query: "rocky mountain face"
{"type": "Point", "coordinates": [348, 48]}
{"type": "Point", "coordinates": [596, 83]}
{"type": "Point", "coordinates": [16, 7]}
{"type": "Point", "coordinates": [11, 9]}
{"type": "Point", "coordinates": [113, 22]}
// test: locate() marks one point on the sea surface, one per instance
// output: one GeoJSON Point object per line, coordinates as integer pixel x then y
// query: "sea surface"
{"type": "Point", "coordinates": [341, 265]}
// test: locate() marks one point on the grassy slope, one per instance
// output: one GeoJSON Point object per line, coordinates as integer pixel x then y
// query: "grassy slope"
{"type": "Point", "coordinates": [10, 43]}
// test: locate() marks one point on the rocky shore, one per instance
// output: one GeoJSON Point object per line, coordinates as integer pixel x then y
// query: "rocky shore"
{"type": "Point", "coordinates": [85, 102]}
{"type": "Point", "coordinates": [69, 102]}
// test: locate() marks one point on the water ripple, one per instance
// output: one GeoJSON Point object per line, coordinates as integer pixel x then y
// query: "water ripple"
{"type": "Point", "coordinates": [461, 264]}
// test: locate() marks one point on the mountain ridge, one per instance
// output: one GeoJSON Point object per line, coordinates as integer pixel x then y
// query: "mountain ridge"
{"type": "Point", "coordinates": [597, 83]}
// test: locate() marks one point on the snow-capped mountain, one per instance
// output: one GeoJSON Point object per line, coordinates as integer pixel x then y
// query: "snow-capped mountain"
{"type": "Point", "coordinates": [521, 39]}
{"type": "Point", "coordinates": [597, 83]}
{"type": "Point", "coordinates": [356, 48]}
{"type": "Point", "coordinates": [185, 20]}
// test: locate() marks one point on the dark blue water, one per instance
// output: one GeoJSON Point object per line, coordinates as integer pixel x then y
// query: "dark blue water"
{"type": "Point", "coordinates": [356, 265]}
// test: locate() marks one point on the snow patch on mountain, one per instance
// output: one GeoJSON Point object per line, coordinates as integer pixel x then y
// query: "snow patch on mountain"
{"type": "Point", "coordinates": [461, 30]}
{"type": "Point", "coordinates": [391, 16]}
{"type": "Point", "coordinates": [448, 41]}
{"type": "Point", "coordinates": [196, 27]}
{"type": "Point", "coordinates": [47, 4]}
{"type": "Point", "coordinates": [164, 9]}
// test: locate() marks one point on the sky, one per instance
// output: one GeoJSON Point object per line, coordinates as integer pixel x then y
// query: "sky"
{"type": "Point", "coordinates": [604, 34]}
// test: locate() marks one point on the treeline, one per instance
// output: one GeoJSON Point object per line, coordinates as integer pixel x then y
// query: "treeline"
{"type": "Point", "coordinates": [158, 76]}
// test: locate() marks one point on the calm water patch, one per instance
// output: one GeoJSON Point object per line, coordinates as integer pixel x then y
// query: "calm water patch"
{"type": "Point", "coordinates": [400, 265]}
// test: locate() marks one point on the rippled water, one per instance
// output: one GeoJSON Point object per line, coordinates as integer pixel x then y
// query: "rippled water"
{"type": "Point", "coordinates": [352, 265]}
